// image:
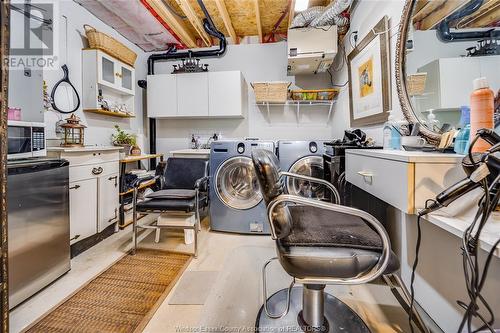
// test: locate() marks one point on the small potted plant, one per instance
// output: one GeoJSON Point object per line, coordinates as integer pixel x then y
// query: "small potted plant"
{"type": "Point", "coordinates": [124, 139]}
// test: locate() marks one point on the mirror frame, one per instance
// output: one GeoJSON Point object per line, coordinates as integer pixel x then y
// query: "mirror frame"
{"type": "Point", "coordinates": [404, 99]}
{"type": "Point", "coordinates": [4, 80]}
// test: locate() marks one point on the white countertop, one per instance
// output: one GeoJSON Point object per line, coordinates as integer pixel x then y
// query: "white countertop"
{"type": "Point", "coordinates": [408, 156]}
{"type": "Point", "coordinates": [457, 225]}
{"type": "Point", "coordinates": [84, 149]}
{"type": "Point", "coordinates": [191, 152]}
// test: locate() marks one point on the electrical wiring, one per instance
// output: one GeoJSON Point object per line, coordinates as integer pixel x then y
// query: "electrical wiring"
{"type": "Point", "coordinates": [476, 308]}
{"type": "Point", "coordinates": [333, 84]}
{"type": "Point", "coordinates": [414, 267]}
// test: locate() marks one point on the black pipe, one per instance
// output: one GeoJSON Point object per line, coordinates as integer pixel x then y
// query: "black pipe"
{"type": "Point", "coordinates": [172, 54]}
{"type": "Point", "coordinates": [443, 30]}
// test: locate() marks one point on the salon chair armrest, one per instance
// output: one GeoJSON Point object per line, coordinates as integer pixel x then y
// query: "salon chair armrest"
{"type": "Point", "coordinates": [383, 261]}
{"type": "Point", "coordinates": [201, 184]}
{"type": "Point", "coordinates": [335, 192]}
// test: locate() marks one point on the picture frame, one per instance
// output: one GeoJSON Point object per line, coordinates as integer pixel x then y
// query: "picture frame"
{"type": "Point", "coordinates": [369, 77]}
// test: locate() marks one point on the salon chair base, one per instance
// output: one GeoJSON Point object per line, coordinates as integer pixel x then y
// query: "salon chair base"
{"type": "Point", "coordinates": [339, 317]}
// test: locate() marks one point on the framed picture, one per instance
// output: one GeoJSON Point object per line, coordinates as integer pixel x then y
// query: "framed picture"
{"type": "Point", "coordinates": [369, 75]}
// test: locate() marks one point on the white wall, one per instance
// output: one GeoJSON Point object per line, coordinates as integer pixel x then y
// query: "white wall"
{"type": "Point", "coordinates": [258, 62]}
{"type": "Point", "coordinates": [100, 127]}
{"type": "Point", "coordinates": [364, 17]}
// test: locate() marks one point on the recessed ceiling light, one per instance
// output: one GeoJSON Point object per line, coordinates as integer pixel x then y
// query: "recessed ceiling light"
{"type": "Point", "coordinates": [301, 5]}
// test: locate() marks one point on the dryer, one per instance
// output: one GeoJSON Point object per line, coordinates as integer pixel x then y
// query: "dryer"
{"type": "Point", "coordinates": [236, 203]}
{"type": "Point", "coordinates": [305, 158]}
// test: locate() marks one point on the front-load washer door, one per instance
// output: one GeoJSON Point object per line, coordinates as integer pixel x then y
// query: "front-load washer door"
{"type": "Point", "coordinates": [308, 166]}
{"type": "Point", "coordinates": [236, 183]}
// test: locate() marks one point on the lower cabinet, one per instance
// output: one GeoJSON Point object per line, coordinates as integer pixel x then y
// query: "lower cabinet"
{"type": "Point", "coordinates": [83, 209]}
{"type": "Point", "coordinates": [108, 194]}
{"type": "Point", "coordinates": [94, 190]}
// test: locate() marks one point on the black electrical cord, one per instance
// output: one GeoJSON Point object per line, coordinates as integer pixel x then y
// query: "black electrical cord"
{"type": "Point", "coordinates": [474, 275]}
{"type": "Point", "coordinates": [414, 267]}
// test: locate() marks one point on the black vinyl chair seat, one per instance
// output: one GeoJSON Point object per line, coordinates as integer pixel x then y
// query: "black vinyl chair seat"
{"type": "Point", "coordinates": [172, 204]}
{"type": "Point", "coordinates": [326, 243]}
{"type": "Point", "coordinates": [324, 228]}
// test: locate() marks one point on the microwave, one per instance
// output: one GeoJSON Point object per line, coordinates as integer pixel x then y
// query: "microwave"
{"type": "Point", "coordinates": [25, 139]}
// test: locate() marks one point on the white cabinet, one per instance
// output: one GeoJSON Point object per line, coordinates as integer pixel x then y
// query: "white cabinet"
{"type": "Point", "coordinates": [227, 94]}
{"type": "Point", "coordinates": [108, 204]}
{"type": "Point", "coordinates": [193, 95]}
{"type": "Point", "coordinates": [83, 209]}
{"type": "Point", "coordinates": [109, 79]}
{"type": "Point", "coordinates": [94, 189]}
{"type": "Point", "coordinates": [112, 72]}
{"type": "Point", "coordinates": [449, 80]}
{"type": "Point", "coordinates": [162, 96]}
{"type": "Point", "coordinates": [404, 180]}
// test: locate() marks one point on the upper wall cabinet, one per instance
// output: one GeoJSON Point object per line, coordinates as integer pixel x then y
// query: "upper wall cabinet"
{"type": "Point", "coordinates": [107, 79]}
{"type": "Point", "coordinates": [194, 95]}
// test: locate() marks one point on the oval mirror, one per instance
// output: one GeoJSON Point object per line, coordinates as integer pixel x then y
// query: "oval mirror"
{"type": "Point", "coordinates": [442, 47]}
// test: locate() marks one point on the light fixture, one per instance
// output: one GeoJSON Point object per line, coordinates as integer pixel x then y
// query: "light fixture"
{"type": "Point", "coordinates": [301, 5]}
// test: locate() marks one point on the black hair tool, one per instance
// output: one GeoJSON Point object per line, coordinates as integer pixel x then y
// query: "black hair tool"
{"type": "Point", "coordinates": [483, 170]}
{"type": "Point", "coordinates": [65, 79]}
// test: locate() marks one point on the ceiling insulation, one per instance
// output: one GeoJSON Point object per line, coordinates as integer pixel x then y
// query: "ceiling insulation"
{"type": "Point", "coordinates": [131, 19]}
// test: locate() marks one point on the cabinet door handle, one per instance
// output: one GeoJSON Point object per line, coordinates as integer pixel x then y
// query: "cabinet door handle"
{"type": "Point", "coordinates": [97, 171]}
{"type": "Point", "coordinates": [74, 238]}
{"type": "Point", "coordinates": [367, 176]}
{"type": "Point", "coordinates": [115, 178]}
{"type": "Point", "coordinates": [76, 187]}
{"type": "Point", "coordinates": [118, 75]}
{"type": "Point", "coordinates": [115, 217]}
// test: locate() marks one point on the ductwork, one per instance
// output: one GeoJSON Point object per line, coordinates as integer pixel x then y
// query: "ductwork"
{"type": "Point", "coordinates": [304, 18]}
{"type": "Point", "coordinates": [445, 35]}
{"type": "Point", "coordinates": [331, 15]}
{"type": "Point", "coordinates": [173, 54]}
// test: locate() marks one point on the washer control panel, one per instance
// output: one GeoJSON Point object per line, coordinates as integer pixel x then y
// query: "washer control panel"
{"type": "Point", "coordinates": [313, 147]}
{"type": "Point", "coordinates": [240, 148]}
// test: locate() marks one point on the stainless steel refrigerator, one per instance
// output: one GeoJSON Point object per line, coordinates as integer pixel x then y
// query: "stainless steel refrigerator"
{"type": "Point", "coordinates": [38, 225]}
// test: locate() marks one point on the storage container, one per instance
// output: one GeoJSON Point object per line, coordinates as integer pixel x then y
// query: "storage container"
{"type": "Point", "coordinates": [275, 92]}
{"type": "Point", "coordinates": [101, 41]}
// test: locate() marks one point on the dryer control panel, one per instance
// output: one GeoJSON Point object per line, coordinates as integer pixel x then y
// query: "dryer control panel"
{"type": "Point", "coordinates": [263, 145]}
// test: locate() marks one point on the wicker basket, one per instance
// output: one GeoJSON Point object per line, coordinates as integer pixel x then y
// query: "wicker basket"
{"type": "Point", "coordinates": [101, 41]}
{"type": "Point", "coordinates": [275, 92]}
{"type": "Point", "coordinates": [415, 84]}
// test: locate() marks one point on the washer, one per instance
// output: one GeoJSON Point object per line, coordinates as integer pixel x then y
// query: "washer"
{"type": "Point", "coordinates": [305, 158]}
{"type": "Point", "coordinates": [236, 203]}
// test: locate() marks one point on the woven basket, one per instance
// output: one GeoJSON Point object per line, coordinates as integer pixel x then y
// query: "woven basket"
{"type": "Point", "coordinates": [415, 84]}
{"type": "Point", "coordinates": [275, 92]}
{"type": "Point", "coordinates": [101, 41]}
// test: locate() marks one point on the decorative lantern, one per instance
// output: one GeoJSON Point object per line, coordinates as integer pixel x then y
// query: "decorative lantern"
{"type": "Point", "coordinates": [73, 132]}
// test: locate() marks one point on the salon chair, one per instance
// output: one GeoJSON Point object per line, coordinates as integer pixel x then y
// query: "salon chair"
{"type": "Point", "coordinates": [183, 188]}
{"type": "Point", "coordinates": [319, 243]}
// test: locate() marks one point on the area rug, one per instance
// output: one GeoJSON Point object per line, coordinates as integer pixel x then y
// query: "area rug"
{"type": "Point", "coordinates": [121, 299]}
{"type": "Point", "coordinates": [193, 288]}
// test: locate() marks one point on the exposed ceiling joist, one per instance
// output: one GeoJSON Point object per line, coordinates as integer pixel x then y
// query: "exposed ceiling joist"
{"type": "Point", "coordinates": [420, 4]}
{"type": "Point", "coordinates": [427, 9]}
{"type": "Point", "coordinates": [176, 24]}
{"type": "Point", "coordinates": [486, 14]}
{"type": "Point", "coordinates": [257, 18]}
{"type": "Point", "coordinates": [195, 21]}
{"type": "Point", "coordinates": [487, 19]}
{"type": "Point", "coordinates": [448, 8]}
{"type": "Point", "coordinates": [221, 6]}
{"type": "Point", "coordinates": [291, 13]}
